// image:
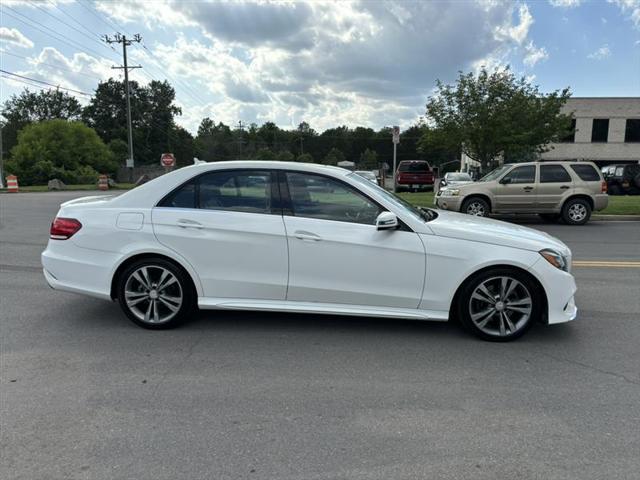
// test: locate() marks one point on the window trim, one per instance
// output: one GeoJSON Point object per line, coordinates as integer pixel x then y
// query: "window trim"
{"type": "Point", "coordinates": [569, 177]}
{"type": "Point", "coordinates": [276, 208]}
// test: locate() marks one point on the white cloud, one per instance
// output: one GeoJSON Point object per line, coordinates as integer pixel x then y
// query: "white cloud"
{"type": "Point", "coordinates": [534, 55]}
{"type": "Point", "coordinates": [631, 8]}
{"type": "Point", "coordinates": [601, 53]}
{"type": "Point", "coordinates": [13, 36]}
{"type": "Point", "coordinates": [519, 32]}
{"type": "Point", "coordinates": [565, 3]}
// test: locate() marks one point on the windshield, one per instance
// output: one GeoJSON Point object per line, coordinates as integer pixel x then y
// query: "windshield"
{"type": "Point", "coordinates": [458, 177]}
{"type": "Point", "coordinates": [493, 174]}
{"type": "Point", "coordinates": [418, 213]}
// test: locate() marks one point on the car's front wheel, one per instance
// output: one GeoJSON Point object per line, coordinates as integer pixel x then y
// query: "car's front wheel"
{"type": "Point", "coordinates": [499, 304]}
{"type": "Point", "coordinates": [156, 294]}
{"type": "Point", "coordinates": [476, 206]}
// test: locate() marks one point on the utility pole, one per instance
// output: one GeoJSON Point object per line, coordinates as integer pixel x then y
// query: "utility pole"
{"type": "Point", "coordinates": [1, 158]}
{"type": "Point", "coordinates": [241, 128]}
{"type": "Point", "coordinates": [117, 38]}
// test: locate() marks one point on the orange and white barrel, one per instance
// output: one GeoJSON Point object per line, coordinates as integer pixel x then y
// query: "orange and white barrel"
{"type": "Point", "coordinates": [12, 184]}
{"type": "Point", "coordinates": [103, 182]}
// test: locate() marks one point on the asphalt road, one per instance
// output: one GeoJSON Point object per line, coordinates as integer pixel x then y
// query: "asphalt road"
{"type": "Point", "coordinates": [84, 394]}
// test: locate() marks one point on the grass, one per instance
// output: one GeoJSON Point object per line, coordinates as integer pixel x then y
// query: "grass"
{"type": "Point", "coordinates": [618, 204]}
{"type": "Point", "coordinates": [71, 188]}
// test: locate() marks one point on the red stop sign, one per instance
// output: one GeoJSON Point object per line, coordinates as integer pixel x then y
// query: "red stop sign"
{"type": "Point", "coordinates": [168, 160]}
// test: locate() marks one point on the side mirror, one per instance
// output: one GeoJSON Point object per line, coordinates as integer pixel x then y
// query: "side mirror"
{"type": "Point", "coordinates": [505, 180]}
{"type": "Point", "coordinates": [387, 221]}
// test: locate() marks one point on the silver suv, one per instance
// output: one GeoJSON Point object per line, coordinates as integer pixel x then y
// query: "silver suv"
{"type": "Point", "coordinates": [554, 190]}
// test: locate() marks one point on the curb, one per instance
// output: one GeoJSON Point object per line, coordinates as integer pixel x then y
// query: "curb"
{"type": "Point", "coordinates": [616, 218]}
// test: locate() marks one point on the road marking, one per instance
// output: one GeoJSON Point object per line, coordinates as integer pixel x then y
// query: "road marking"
{"type": "Point", "coordinates": [605, 264]}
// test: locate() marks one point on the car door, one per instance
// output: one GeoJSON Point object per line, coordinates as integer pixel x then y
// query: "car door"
{"type": "Point", "coordinates": [516, 191]}
{"type": "Point", "coordinates": [336, 254]}
{"type": "Point", "coordinates": [229, 226]}
{"type": "Point", "coordinates": [554, 186]}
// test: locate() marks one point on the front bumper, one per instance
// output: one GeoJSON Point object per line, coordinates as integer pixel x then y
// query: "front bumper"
{"type": "Point", "coordinates": [560, 288]}
{"type": "Point", "coordinates": [448, 203]}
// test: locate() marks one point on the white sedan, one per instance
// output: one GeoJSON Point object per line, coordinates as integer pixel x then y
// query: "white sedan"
{"type": "Point", "coordinates": [275, 236]}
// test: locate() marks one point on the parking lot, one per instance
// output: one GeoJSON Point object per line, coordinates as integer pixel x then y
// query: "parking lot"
{"type": "Point", "coordinates": [86, 394]}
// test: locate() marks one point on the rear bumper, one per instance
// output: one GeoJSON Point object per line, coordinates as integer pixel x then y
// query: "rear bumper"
{"type": "Point", "coordinates": [80, 270]}
{"type": "Point", "coordinates": [600, 201]}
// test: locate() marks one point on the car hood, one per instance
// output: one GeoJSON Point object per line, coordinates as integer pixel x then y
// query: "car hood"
{"type": "Point", "coordinates": [459, 182]}
{"type": "Point", "coordinates": [496, 232]}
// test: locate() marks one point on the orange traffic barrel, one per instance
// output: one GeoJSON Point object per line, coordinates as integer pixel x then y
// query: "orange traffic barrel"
{"type": "Point", "coordinates": [12, 183]}
{"type": "Point", "coordinates": [103, 182]}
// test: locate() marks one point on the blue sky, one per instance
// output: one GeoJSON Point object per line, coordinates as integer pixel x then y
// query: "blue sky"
{"type": "Point", "coordinates": [371, 63]}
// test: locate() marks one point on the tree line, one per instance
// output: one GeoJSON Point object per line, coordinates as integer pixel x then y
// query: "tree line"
{"type": "Point", "coordinates": [49, 134]}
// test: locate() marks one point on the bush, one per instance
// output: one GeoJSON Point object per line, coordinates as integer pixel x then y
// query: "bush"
{"type": "Point", "coordinates": [70, 151]}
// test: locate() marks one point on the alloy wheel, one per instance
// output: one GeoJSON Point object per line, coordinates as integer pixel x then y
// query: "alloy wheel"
{"type": "Point", "coordinates": [476, 208]}
{"type": "Point", "coordinates": [500, 306]}
{"type": "Point", "coordinates": [153, 294]}
{"type": "Point", "coordinates": [577, 212]}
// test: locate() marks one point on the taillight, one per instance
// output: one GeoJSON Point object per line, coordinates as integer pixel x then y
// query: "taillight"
{"type": "Point", "coordinates": [604, 187]}
{"type": "Point", "coordinates": [63, 228]}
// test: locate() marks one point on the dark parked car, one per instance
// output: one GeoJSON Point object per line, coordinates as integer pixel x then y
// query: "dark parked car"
{"type": "Point", "coordinates": [622, 179]}
{"type": "Point", "coordinates": [413, 175]}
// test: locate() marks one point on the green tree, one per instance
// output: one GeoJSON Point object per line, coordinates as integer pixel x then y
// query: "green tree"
{"type": "Point", "coordinates": [494, 114]}
{"type": "Point", "coordinates": [285, 156]}
{"type": "Point", "coordinates": [28, 107]}
{"type": "Point", "coordinates": [333, 157]}
{"type": "Point", "coordinates": [368, 160]}
{"type": "Point", "coordinates": [305, 158]}
{"type": "Point", "coordinates": [213, 142]}
{"type": "Point", "coordinates": [70, 151]}
{"type": "Point", "coordinates": [265, 154]}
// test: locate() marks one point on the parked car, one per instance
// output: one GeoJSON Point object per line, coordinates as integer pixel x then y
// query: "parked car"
{"type": "Point", "coordinates": [369, 175]}
{"type": "Point", "coordinates": [193, 239]}
{"type": "Point", "coordinates": [414, 175]}
{"type": "Point", "coordinates": [622, 179]}
{"type": "Point", "coordinates": [455, 178]}
{"type": "Point", "coordinates": [554, 190]}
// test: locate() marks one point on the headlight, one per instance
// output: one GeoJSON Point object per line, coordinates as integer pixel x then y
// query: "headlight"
{"type": "Point", "coordinates": [451, 192]}
{"type": "Point", "coordinates": [555, 259]}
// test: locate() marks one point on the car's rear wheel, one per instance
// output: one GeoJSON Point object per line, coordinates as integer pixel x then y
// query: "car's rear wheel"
{"type": "Point", "coordinates": [499, 304]}
{"type": "Point", "coordinates": [156, 294]}
{"type": "Point", "coordinates": [576, 211]}
{"type": "Point", "coordinates": [476, 206]}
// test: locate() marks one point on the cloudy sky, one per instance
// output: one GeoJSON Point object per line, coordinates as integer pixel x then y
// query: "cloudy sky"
{"type": "Point", "coordinates": [367, 62]}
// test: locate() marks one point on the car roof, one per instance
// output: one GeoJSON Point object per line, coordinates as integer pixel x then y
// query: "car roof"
{"type": "Point", "coordinates": [550, 162]}
{"type": "Point", "coordinates": [270, 164]}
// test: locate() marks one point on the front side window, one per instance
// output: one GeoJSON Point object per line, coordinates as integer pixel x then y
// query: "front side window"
{"type": "Point", "coordinates": [525, 174]}
{"type": "Point", "coordinates": [553, 174]}
{"type": "Point", "coordinates": [316, 196]}
{"type": "Point", "coordinates": [238, 191]}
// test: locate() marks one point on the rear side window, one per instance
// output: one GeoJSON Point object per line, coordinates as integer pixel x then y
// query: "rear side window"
{"type": "Point", "coordinates": [184, 197]}
{"type": "Point", "coordinates": [238, 191]}
{"type": "Point", "coordinates": [553, 174]}
{"type": "Point", "coordinates": [413, 167]}
{"type": "Point", "coordinates": [521, 175]}
{"type": "Point", "coordinates": [586, 172]}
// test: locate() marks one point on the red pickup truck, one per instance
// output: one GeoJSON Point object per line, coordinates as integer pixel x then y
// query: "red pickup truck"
{"type": "Point", "coordinates": [413, 175]}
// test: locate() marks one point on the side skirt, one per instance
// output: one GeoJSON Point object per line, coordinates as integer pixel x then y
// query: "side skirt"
{"type": "Point", "coordinates": [209, 303]}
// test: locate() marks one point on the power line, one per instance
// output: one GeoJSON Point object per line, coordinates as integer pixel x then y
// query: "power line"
{"type": "Point", "coordinates": [44, 83]}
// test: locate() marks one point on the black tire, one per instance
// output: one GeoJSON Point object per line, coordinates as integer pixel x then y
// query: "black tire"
{"type": "Point", "coordinates": [550, 217]}
{"type": "Point", "coordinates": [476, 204]}
{"type": "Point", "coordinates": [576, 211]}
{"type": "Point", "coordinates": [163, 299]}
{"type": "Point", "coordinates": [492, 330]}
{"type": "Point", "coordinates": [614, 190]}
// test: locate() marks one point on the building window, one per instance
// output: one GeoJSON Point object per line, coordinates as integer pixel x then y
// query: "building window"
{"type": "Point", "coordinates": [571, 136]}
{"type": "Point", "coordinates": [632, 131]}
{"type": "Point", "coordinates": [600, 130]}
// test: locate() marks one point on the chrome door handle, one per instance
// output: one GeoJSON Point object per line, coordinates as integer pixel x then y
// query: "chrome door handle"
{"type": "Point", "coordinates": [307, 236]}
{"type": "Point", "coordinates": [186, 223]}
{"type": "Point", "coordinates": [564, 187]}
{"type": "Point", "coordinates": [527, 189]}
